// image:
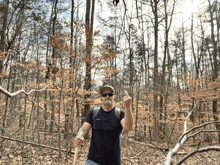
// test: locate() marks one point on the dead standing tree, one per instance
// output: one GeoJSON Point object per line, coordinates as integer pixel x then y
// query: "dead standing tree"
{"type": "Point", "coordinates": [89, 19]}
{"type": "Point", "coordinates": [186, 135]}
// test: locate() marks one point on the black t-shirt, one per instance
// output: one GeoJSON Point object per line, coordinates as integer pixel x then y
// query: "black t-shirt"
{"type": "Point", "coordinates": [105, 148]}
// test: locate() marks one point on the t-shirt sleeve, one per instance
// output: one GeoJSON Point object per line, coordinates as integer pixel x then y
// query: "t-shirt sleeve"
{"type": "Point", "coordinates": [89, 117]}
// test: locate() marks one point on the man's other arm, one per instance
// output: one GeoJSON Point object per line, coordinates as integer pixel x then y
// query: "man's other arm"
{"type": "Point", "coordinates": [83, 130]}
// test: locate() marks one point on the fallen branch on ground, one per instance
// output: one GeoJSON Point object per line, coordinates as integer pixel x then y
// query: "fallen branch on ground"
{"type": "Point", "coordinates": [216, 148]}
{"type": "Point", "coordinates": [184, 137]}
{"type": "Point", "coordinates": [35, 144]}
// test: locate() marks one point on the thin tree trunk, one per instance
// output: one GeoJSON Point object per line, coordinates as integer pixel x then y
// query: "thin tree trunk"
{"type": "Point", "coordinates": [6, 102]}
{"type": "Point", "coordinates": [137, 100]}
{"type": "Point", "coordinates": [59, 109]}
{"type": "Point", "coordinates": [154, 6]}
{"type": "Point", "coordinates": [89, 44]}
{"type": "Point", "coordinates": [54, 77]}
{"type": "Point", "coordinates": [3, 34]}
{"type": "Point", "coordinates": [38, 98]}
{"type": "Point", "coordinates": [47, 76]}
{"type": "Point", "coordinates": [215, 62]}
{"type": "Point", "coordinates": [70, 108]}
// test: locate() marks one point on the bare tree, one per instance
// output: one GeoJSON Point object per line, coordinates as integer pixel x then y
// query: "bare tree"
{"type": "Point", "coordinates": [215, 67]}
{"type": "Point", "coordinates": [154, 7]}
{"type": "Point", "coordinates": [53, 64]}
{"type": "Point", "coordinates": [4, 11]}
{"type": "Point", "coordinates": [90, 8]}
{"type": "Point", "coordinates": [168, 23]}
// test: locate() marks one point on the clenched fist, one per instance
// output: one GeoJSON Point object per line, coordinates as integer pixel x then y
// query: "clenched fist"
{"type": "Point", "coordinates": [77, 141]}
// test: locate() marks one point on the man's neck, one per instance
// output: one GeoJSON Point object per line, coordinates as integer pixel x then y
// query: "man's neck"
{"type": "Point", "coordinates": [107, 107]}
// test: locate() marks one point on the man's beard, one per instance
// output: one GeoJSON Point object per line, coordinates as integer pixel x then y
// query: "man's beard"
{"type": "Point", "coordinates": [108, 102]}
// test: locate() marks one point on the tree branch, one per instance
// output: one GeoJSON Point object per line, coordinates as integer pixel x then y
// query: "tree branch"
{"type": "Point", "coordinates": [20, 91]}
{"type": "Point", "coordinates": [183, 138]}
{"type": "Point", "coordinates": [216, 148]}
{"type": "Point", "coordinates": [171, 119]}
{"type": "Point", "coordinates": [196, 127]}
{"type": "Point", "coordinates": [35, 144]}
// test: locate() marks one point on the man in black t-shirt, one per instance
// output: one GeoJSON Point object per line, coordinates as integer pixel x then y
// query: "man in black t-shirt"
{"type": "Point", "coordinates": [107, 123]}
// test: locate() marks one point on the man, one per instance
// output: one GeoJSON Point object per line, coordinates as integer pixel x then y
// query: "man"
{"type": "Point", "coordinates": [106, 125]}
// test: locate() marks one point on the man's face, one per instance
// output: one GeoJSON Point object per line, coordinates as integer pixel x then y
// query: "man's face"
{"type": "Point", "coordinates": [108, 100]}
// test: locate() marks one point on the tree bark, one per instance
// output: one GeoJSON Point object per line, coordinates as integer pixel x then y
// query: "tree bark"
{"type": "Point", "coordinates": [54, 77]}
{"type": "Point", "coordinates": [154, 6]}
{"type": "Point", "coordinates": [215, 66]}
{"type": "Point", "coordinates": [3, 35]}
{"type": "Point", "coordinates": [89, 43]}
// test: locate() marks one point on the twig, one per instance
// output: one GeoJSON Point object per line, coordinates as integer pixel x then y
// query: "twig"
{"type": "Point", "coordinates": [202, 131]}
{"type": "Point", "coordinates": [171, 119]}
{"type": "Point", "coordinates": [43, 109]}
{"type": "Point", "coordinates": [20, 77]}
{"type": "Point", "coordinates": [173, 104]}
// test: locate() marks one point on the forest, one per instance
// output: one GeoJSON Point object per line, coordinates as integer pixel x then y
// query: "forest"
{"type": "Point", "coordinates": [56, 54]}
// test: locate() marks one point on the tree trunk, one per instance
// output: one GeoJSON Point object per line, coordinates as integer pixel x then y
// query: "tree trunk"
{"type": "Point", "coordinates": [54, 77]}
{"type": "Point", "coordinates": [47, 76]}
{"type": "Point", "coordinates": [154, 6]}
{"type": "Point", "coordinates": [38, 97]}
{"type": "Point", "coordinates": [4, 12]}
{"type": "Point", "coordinates": [215, 66]}
{"type": "Point", "coordinates": [6, 102]}
{"type": "Point", "coordinates": [89, 44]}
{"type": "Point", "coordinates": [137, 100]}
{"type": "Point", "coordinates": [166, 49]}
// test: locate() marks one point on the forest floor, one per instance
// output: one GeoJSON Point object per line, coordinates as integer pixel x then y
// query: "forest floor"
{"type": "Point", "coordinates": [133, 153]}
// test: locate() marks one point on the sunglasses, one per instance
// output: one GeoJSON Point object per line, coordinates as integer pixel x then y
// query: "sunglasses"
{"type": "Point", "coordinates": [109, 94]}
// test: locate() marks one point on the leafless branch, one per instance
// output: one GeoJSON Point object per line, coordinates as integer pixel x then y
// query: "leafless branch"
{"type": "Point", "coordinates": [20, 77]}
{"type": "Point", "coordinates": [202, 131]}
{"type": "Point", "coordinates": [215, 148]}
{"type": "Point", "coordinates": [181, 140]}
{"type": "Point", "coordinates": [42, 109]}
{"type": "Point", "coordinates": [171, 119]}
{"type": "Point", "coordinates": [173, 104]}
{"type": "Point", "coordinates": [23, 91]}
{"type": "Point", "coordinates": [20, 91]}
{"type": "Point", "coordinates": [196, 127]}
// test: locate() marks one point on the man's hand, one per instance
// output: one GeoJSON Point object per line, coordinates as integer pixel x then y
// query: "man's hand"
{"type": "Point", "coordinates": [78, 141]}
{"type": "Point", "coordinates": [83, 130]}
{"type": "Point", "coordinates": [127, 121]}
{"type": "Point", "coordinates": [127, 100]}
